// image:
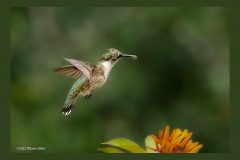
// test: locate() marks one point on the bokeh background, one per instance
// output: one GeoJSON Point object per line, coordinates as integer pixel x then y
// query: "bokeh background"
{"type": "Point", "coordinates": [181, 77]}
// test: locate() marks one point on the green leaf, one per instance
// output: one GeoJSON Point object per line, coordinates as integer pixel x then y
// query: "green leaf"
{"type": "Point", "coordinates": [110, 150]}
{"type": "Point", "coordinates": [126, 144]}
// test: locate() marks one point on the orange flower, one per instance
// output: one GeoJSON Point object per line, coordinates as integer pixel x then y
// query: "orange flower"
{"type": "Point", "coordinates": [178, 142]}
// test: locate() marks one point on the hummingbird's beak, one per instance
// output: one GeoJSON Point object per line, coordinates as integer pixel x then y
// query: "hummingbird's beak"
{"type": "Point", "coordinates": [127, 55]}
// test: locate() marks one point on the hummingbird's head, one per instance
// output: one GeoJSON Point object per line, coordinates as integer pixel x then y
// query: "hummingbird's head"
{"type": "Point", "coordinates": [113, 55]}
{"type": "Point", "coordinates": [110, 57]}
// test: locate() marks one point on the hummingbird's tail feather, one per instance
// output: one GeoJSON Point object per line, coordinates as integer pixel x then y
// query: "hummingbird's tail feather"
{"type": "Point", "coordinates": [67, 108]}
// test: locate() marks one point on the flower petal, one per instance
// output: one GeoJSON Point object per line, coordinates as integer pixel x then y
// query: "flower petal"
{"type": "Point", "coordinates": [126, 144]}
{"type": "Point", "coordinates": [150, 145]}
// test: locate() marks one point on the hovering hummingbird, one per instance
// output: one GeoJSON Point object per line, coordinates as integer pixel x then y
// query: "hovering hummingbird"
{"type": "Point", "coordinates": [89, 76]}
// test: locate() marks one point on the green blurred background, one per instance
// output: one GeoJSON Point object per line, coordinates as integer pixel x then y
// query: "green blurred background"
{"type": "Point", "coordinates": [181, 77]}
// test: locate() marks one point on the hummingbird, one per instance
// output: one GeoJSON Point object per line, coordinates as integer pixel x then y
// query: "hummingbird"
{"type": "Point", "coordinates": [89, 76]}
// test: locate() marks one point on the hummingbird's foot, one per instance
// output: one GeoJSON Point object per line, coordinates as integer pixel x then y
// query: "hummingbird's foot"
{"type": "Point", "coordinates": [87, 96]}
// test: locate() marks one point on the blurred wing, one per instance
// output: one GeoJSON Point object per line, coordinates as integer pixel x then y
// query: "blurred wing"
{"type": "Point", "coordinates": [84, 67]}
{"type": "Point", "coordinates": [70, 71]}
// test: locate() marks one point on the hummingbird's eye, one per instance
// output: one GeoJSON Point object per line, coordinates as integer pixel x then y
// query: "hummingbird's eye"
{"type": "Point", "coordinates": [119, 56]}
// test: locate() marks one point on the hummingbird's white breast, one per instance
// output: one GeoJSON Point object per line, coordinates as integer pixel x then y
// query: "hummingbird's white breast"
{"type": "Point", "coordinates": [107, 67]}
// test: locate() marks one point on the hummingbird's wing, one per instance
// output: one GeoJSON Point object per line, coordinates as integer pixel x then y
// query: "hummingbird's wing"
{"type": "Point", "coordinates": [70, 71]}
{"type": "Point", "coordinates": [77, 69]}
